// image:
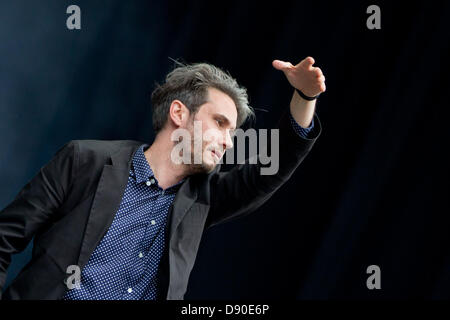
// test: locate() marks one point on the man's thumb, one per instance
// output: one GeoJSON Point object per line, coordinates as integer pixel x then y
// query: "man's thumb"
{"type": "Point", "coordinates": [281, 65]}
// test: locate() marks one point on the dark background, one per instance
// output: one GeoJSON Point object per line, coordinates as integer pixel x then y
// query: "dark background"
{"type": "Point", "coordinates": [374, 189]}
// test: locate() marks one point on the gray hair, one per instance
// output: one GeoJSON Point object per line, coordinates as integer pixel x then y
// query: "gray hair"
{"type": "Point", "coordinates": [189, 84]}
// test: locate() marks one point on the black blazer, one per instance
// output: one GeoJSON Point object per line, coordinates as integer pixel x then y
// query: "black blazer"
{"type": "Point", "coordinates": [69, 205]}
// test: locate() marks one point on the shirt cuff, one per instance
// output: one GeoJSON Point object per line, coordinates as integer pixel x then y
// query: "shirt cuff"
{"type": "Point", "coordinates": [302, 132]}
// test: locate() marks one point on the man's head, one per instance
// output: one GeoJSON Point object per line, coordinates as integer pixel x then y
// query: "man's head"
{"type": "Point", "coordinates": [201, 94]}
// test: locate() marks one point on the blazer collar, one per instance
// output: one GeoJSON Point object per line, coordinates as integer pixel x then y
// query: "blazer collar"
{"type": "Point", "coordinates": [123, 156]}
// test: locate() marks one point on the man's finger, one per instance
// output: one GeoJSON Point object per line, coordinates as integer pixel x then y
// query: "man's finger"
{"type": "Point", "coordinates": [318, 72]}
{"type": "Point", "coordinates": [307, 62]}
{"type": "Point", "coordinates": [281, 65]}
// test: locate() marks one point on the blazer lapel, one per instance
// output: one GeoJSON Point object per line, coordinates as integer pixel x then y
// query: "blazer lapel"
{"type": "Point", "coordinates": [183, 201]}
{"type": "Point", "coordinates": [187, 196]}
{"type": "Point", "coordinates": [107, 199]}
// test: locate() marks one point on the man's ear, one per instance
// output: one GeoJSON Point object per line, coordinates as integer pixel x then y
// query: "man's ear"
{"type": "Point", "coordinates": [179, 113]}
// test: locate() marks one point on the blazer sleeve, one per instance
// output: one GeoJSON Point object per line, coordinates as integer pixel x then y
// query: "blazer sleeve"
{"type": "Point", "coordinates": [243, 189]}
{"type": "Point", "coordinates": [35, 203]}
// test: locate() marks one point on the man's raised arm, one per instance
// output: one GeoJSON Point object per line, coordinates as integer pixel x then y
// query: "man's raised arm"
{"type": "Point", "coordinates": [243, 189]}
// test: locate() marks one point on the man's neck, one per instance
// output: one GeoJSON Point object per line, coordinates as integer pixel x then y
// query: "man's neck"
{"type": "Point", "coordinates": [165, 171]}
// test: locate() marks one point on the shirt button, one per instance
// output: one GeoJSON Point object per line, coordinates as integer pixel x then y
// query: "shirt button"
{"type": "Point", "coordinates": [140, 255]}
{"type": "Point", "coordinates": [153, 222]}
{"type": "Point", "coordinates": [130, 290]}
{"type": "Point", "coordinates": [148, 183]}
{"type": "Point", "coordinates": [152, 181]}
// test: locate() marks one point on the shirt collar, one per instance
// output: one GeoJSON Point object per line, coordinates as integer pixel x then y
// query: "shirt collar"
{"type": "Point", "coordinates": [142, 170]}
{"type": "Point", "coordinates": [141, 167]}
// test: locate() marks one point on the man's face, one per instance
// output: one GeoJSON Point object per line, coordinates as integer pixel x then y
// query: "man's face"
{"type": "Point", "coordinates": [218, 118]}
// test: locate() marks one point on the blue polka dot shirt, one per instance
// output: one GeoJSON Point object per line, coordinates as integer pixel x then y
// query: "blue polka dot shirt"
{"type": "Point", "coordinates": [124, 265]}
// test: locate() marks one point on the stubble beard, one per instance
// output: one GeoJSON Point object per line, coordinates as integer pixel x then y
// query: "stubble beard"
{"type": "Point", "coordinates": [193, 167]}
{"type": "Point", "coordinates": [203, 167]}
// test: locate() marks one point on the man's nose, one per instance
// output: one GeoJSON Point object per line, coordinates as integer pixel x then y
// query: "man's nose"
{"type": "Point", "coordinates": [228, 141]}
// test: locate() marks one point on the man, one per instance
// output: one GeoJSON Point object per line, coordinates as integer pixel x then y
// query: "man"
{"type": "Point", "coordinates": [124, 219]}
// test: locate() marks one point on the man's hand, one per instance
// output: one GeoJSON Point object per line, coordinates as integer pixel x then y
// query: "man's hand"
{"type": "Point", "coordinates": [303, 76]}
{"type": "Point", "coordinates": [309, 80]}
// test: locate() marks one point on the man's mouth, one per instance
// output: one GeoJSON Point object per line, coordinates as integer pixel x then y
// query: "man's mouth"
{"type": "Point", "coordinates": [216, 154]}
